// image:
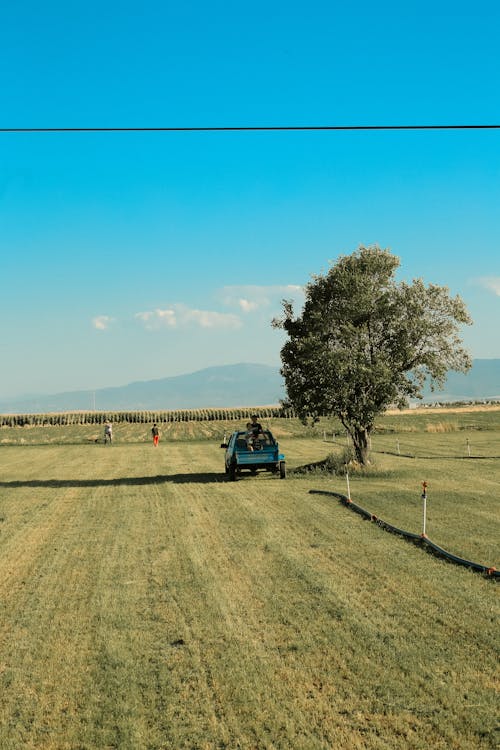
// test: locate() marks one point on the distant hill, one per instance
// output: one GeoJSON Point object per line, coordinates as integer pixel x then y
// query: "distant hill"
{"type": "Point", "coordinates": [482, 382]}
{"type": "Point", "coordinates": [231, 385]}
{"type": "Point", "coordinates": [228, 385]}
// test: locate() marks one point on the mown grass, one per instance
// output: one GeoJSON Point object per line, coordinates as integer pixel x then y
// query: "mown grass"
{"type": "Point", "coordinates": [462, 491]}
{"type": "Point", "coordinates": [466, 420]}
{"type": "Point", "coordinates": [141, 433]}
{"type": "Point", "coordinates": [146, 602]}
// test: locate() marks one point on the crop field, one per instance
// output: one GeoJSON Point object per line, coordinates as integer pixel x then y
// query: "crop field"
{"type": "Point", "coordinates": [147, 603]}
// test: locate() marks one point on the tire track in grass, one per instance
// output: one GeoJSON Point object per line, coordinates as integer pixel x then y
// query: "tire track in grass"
{"type": "Point", "coordinates": [44, 639]}
{"type": "Point", "coordinates": [88, 646]}
{"type": "Point", "coordinates": [237, 670]}
{"type": "Point", "coordinates": [25, 544]}
{"type": "Point", "coordinates": [189, 697]}
{"type": "Point", "coordinates": [229, 639]}
{"type": "Point", "coordinates": [53, 642]}
{"type": "Point", "coordinates": [302, 663]}
{"type": "Point", "coordinates": [219, 659]}
{"type": "Point", "coordinates": [115, 711]}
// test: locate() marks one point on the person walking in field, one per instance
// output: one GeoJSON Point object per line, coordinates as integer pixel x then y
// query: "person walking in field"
{"type": "Point", "coordinates": [108, 432]}
{"type": "Point", "coordinates": [156, 434]}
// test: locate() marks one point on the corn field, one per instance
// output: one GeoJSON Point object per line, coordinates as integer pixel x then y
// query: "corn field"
{"type": "Point", "coordinates": [144, 417]}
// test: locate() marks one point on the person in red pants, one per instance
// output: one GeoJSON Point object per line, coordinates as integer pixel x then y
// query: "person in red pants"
{"type": "Point", "coordinates": [156, 434]}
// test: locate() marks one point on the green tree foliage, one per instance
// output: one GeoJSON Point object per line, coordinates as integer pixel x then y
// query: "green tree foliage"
{"type": "Point", "coordinates": [364, 342]}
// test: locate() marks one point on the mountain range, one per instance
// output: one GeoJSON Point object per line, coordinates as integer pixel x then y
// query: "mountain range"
{"type": "Point", "coordinates": [231, 385]}
{"type": "Point", "coordinates": [228, 385]}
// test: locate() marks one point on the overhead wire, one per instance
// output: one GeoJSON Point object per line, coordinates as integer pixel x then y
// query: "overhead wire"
{"type": "Point", "coordinates": [244, 128]}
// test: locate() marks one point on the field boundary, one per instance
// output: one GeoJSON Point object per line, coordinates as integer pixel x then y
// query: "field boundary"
{"type": "Point", "coordinates": [422, 540]}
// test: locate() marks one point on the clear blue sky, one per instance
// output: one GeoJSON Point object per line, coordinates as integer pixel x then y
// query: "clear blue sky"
{"type": "Point", "coordinates": [141, 255]}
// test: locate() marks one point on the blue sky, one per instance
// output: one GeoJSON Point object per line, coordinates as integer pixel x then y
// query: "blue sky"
{"type": "Point", "coordinates": [132, 256]}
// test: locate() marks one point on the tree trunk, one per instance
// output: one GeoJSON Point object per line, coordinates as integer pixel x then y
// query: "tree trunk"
{"type": "Point", "coordinates": [360, 441]}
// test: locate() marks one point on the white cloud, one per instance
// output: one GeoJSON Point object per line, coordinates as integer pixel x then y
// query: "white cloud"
{"type": "Point", "coordinates": [179, 315]}
{"type": "Point", "coordinates": [167, 317]}
{"type": "Point", "coordinates": [245, 299]}
{"type": "Point", "coordinates": [102, 322]}
{"type": "Point", "coordinates": [154, 319]}
{"type": "Point", "coordinates": [247, 306]}
{"type": "Point", "coordinates": [209, 319]}
{"type": "Point", "coordinates": [144, 316]}
{"type": "Point", "coordinates": [250, 298]}
{"type": "Point", "coordinates": [492, 283]}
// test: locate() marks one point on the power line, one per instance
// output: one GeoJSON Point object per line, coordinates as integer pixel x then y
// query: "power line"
{"type": "Point", "coordinates": [246, 128]}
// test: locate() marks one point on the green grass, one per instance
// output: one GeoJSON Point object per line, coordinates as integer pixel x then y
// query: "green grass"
{"type": "Point", "coordinates": [466, 421]}
{"type": "Point", "coordinates": [141, 433]}
{"type": "Point", "coordinates": [146, 602]}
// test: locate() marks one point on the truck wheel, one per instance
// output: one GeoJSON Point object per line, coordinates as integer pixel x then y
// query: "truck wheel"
{"type": "Point", "coordinates": [232, 472]}
{"type": "Point", "coordinates": [282, 470]}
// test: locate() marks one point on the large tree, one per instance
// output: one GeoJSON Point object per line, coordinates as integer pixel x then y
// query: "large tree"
{"type": "Point", "coordinates": [364, 342]}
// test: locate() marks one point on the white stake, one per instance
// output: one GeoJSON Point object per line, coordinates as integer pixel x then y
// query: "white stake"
{"type": "Point", "coordinates": [347, 480]}
{"type": "Point", "coordinates": [397, 443]}
{"type": "Point", "coordinates": [468, 447]}
{"type": "Point", "coordinates": [424, 498]}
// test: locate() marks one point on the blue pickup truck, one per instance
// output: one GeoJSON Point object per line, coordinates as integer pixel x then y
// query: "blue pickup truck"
{"type": "Point", "coordinates": [260, 453]}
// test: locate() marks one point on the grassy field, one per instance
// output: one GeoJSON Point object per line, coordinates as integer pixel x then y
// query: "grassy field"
{"type": "Point", "coordinates": [147, 603]}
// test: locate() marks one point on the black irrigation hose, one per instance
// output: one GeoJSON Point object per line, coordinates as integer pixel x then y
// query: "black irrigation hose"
{"type": "Point", "coordinates": [420, 539]}
{"type": "Point", "coordinates": [429, 458]}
